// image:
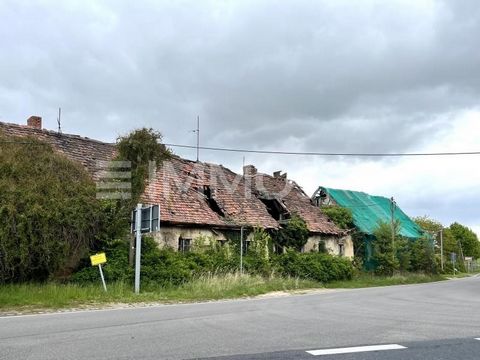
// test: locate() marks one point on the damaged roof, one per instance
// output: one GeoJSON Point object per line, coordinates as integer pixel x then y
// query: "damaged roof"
{"type": "Point", "coordinates": [205, 194]}
{"type": "Point", "coordinates": [76, 148]}
{"type": "Point", "coordinates": [194, 193]}
{"type": "Point", "coordinates": [295, 200]}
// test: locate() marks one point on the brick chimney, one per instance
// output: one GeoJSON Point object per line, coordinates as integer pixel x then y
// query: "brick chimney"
{"type": "Point", "coordinates": [249, 170]}
{"type": "Point", "coordinates": [35, 122]}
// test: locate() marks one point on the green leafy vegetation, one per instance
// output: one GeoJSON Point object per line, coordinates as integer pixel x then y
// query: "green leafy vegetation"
{"type": "Point", "coordinates": [49, 215]}
{"type": "Point", "coordinates": [314, 266]}
{"type": "Point", "coordinates": [457, 239]}
{"type": "Point", "coordinates": [470, 246]}
{"type": "Point", "coordinates": [401, 254]}
{"type": "Point", "coordinates": [144, 150]}
{"type": "Point", "coordinates": [342, 217]}
{"type": "Point", "coordinates": [166, 267]}
{"type": "Point", "coordinates": [293, 234]}
{"type": "Point", "coordinates": [141, 147]}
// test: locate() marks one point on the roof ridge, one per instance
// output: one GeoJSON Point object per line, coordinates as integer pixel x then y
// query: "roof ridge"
{"type": "Point", "coordinates": [55, 133]}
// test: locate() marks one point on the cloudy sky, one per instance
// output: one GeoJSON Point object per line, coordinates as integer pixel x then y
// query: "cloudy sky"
{"type": "Point", "coordinates": [323, 76]}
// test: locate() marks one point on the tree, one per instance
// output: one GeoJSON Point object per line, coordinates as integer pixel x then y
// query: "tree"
{"type": "Point", "coordinates": [342, 217]}
{"type": "Point", "coordinates": [423, 256]}
{"type": "Point", "coordinates": [294, 234]}
{"type": "Point", "coordinates": [141, 147]}
{"type": "Point", "coordinates": [428, 224]}
{"type": "Point", "coordinates": [49, 214]}
{"type": "Point", "coordinates": [467, 239]}
{"type": "Point", "coordinates": [386, 262]}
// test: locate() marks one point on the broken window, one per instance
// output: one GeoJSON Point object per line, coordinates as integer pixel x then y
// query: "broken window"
{"type": "Point", "coordinates": [184, 245]}
{"type": "Point", "coordinates": [322, 247]}
{"type": "Point", "coordinates": [209, 195]}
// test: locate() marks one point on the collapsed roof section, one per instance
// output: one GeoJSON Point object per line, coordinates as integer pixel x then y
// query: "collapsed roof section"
{"type": "Point", "coordinates": [286, 197]}
{"type": "Point", "coordinates": [205, 194]}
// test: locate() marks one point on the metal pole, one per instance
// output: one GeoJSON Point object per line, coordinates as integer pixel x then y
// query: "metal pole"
{"type": "Point", "coordinates": [392, 210]}
{"type": "Point", "coordinates": [138, 247]}
{"type": "Point", "coordinates": [241, 250]}
{"type": "Point", "coordinates": [103, 279]}
{"type": "Point", "coordinates": [198, 138]}
{"type": "Point", "coordinates": [441, 249]}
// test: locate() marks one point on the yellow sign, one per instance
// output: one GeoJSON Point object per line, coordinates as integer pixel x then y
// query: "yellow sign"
{"type": "Point", "coordinates": [98, 259]}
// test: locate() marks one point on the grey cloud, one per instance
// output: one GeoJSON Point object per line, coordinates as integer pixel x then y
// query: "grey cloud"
{"type": "Point", "coordinates": [257, 73]}
{"type": "Point", "coordinates": [249, 69]}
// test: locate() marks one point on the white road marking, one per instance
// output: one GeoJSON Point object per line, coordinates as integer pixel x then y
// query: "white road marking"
{"type": "Point", "coordinates": [356, 349]}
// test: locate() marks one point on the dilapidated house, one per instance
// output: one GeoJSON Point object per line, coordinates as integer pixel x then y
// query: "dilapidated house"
{"type": "Point", "coordinates": [202, 199]}
{"type": "Point", "coordinates": [284, 197]}
{"type": "Point", "coordinates": [197, 199]}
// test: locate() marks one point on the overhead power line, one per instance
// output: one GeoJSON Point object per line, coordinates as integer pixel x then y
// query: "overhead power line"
{"type": "Point", "coordinates": [308, 153]}
{"type": "Point", "coordinates": [325, 153]}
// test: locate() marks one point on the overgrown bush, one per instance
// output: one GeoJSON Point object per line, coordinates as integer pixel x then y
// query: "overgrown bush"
{"type": "Point", "coordinates": [117, 267]}
{"type": "Point", "coordinates": [141, 147]}
{"type": "Point", "coordinates": [314, 266]}
{"type": "Point", "coordinates": [49, 214]}
{"type": "Point", "coordinates": [294, 234]}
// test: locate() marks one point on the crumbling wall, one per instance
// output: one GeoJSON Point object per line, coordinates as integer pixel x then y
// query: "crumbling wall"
{"type": "Point", "coordinates": [332, 244]}
{"type": "Point", "coordinates": [168, 236]}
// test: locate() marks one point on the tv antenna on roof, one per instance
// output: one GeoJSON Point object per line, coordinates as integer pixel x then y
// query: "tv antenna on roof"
{"type": "Point", "coordinates": [59, 120]}
{"type": "Point", "coordinates": [197, 130]}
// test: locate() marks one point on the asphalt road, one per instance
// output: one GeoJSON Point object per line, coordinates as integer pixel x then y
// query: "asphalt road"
{"type": "Point", "coordinates": [430, 321]}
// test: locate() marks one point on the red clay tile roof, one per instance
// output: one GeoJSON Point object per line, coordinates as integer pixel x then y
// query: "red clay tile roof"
{"type": "Point", "coordinates": [296, 201]}
{"type": "Point", "coordinates": [79, 149]}
{"type": "Point", "coordinates": [179, 187]}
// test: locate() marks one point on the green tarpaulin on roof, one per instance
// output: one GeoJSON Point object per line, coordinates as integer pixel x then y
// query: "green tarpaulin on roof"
{"type": "Point", "coordinates": [368, 211]}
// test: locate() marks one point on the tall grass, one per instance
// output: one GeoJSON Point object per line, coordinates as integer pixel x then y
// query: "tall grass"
{"type": "Point", "coordinates": [211, 287]}
{"type": "Point", "coordinates": [34, 297]}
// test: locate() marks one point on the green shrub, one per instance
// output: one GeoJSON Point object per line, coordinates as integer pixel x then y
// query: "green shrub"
{"type": "Point", "coordinates": [292, 235]}
{"type": "Point", "coordinates": [116, 268]}
{"type": "Point", "coordinates": [423, 256]}
{"type": "Point", "coordinates": [384, 258]}
{"type": "Point", "coordinates": [49, 214]}
{"type": "Point", "coordinates": [314, 266]}
{"type": "Point", "coordinates": [342, 217]}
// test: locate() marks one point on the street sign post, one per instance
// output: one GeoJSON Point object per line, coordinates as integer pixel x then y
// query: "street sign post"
{"type": "Point", "coordinates": [138, 247]}
{"type": "Point", "coordinates": [98, 260]}
{"type": "Point", "coordinates": [144, 220]}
